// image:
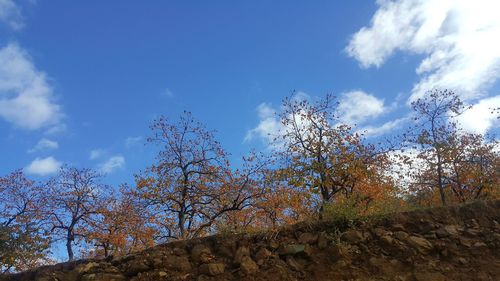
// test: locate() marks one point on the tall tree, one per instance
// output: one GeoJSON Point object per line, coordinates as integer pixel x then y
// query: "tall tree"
{"type": "Point", "coordinates": [322, 154]}
{"type": "Point", "coordinates": [74, 196]}
{"type": "Point", "coordinates": [433, 135]}
{"type": "Point", "coordinates": [191, 185]}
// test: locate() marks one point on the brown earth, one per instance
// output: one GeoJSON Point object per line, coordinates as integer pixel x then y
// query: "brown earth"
{"type": "Point", "coordinates": [452, 243]}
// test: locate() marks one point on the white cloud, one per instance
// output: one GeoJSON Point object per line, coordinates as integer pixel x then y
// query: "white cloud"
{"type": "Point", "coordinates": [43, 166]}
{"type": "Point", "coordinates": [269, 125]}
{"type": "Point", "coordinates": [405, 163]}
{"type": "Point", "coordinates": [45, 144]}
{"type": "Point", "coordinates": [113, 163]}
{"type": "Point", "coordinates": [131, 141]}
{"type": "Point", "coordinates": [460, 40]}
{"type": "Point", "coordinates": [357, 106]}
{"type": "Point", "coordinates": [26, 98]}
{"type": "Point", "coordinates": [479, 119]}
{"type": "Point", "coordinates": [10, 14]}
{"type": "Point", "coordinates": [96, 153]}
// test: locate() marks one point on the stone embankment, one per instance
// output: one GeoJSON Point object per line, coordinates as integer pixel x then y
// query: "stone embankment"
{"type": "Point", "coordinates": [453, 243]}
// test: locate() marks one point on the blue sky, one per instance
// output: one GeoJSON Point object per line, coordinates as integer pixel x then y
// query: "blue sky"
{"type": "Point", "coordinates": [80, 81]}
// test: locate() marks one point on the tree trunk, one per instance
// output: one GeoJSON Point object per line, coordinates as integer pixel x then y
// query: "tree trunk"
{"type": "Point", "coordinates": [69, 248]}
{"type": "Point", "coordinates": [440, 181]}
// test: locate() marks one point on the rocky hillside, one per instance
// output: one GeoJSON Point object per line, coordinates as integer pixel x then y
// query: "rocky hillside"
{"type": "Point", "coordinates": [453, 243]}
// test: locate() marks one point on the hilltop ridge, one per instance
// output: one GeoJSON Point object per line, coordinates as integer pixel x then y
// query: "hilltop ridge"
{"type": "Point", "coordinates": [443, 243]}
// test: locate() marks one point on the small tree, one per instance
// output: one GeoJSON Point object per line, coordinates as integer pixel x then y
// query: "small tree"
{"type": "Point", "coordinates": [121, 226]}
{"type": "Point", "coordinates": [472, 168]}
{"type": "Point", "coordinates": [74, 196]}
{"type": "Point", "coordinates": [23, 241]}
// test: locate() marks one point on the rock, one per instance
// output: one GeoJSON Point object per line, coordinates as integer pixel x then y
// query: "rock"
{"type": "Point", "coordinates": [377, 263]}
{"type": "Point", "coordinates": [452, 230]}
{"type": "Point", "coordinates": [84, 268]}
{"type": "Point", "coordinates": [308, 251]}
{"type": "Point", "coordinates": [472, 224]}
{"type": "Point", "coordinates": [179, 252]}
{"type": "Point", "coordinates": [262, 255]}
{"type": "Point", "coordinates": [293, 264]}
{"type": "Point", "coordinates": [421, 244]}
{"type": "Point", "coordinates": [337, 252]}
{"type": "Point", "coordinates": [178, 263]}
{"type": "Point", "coordinates": [135, 266]}
{"type": "Point", "coordinates": [429, 276]}
{"type": "Point", "coordinates": [387, 240]}
{"type": "Point", "coordinates": [479, 248]}
{"type": "Point", "coordinates": [201, 253]}
{"type": "Point", "coordinates": [465, 242]}
{"type": "Point", "coordinates": [463, 261]}
{"type": "Point", "coordinates": [401, 235]}
{"type": "Point", "coordinates": [248, 266]}
{"type": "Point", "coordinates": [496, 224]}
{"type": "Point", "coordinates": [430, 236]}
{"type": "Point", "coordinates": [398, 227]}
{"type": "Point", "coordinates": [291, 249]}
{"type": "Point", "coordinates": [162, 274]}
{"type": "Point", "coordinates": [379, 232]}
{"type": "Point", "coordinates": [386, 267]}
{"type": "Point", "coordinates": [241, 253]}
{"type": "Point", "coordinates": [308, 238]}
{"type": "Point", "coordinates": [496, 237]}
{"type": "Point", "coordinates": [212, 269]}
{"type": "Point", "coordinates": [157, 262]}
{"type": "Point", "coordinates": [122, 259]}
{"type": "Point", "coordinates": [424, 225]}
{"type": "Point", "coordinates": [472, 232]}
{"type": "Point", "coordinates": [103, 277]}
{"type": "Point", "coordinates": [274, 245]}
{"type": "Point", "coordinates": [353, 236]}
{"type": "Point", "coordinates": [323, 240]}
{"type": "Point", "coordinates": [442, 233]}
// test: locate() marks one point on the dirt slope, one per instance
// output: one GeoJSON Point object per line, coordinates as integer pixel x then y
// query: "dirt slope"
{"type": "Point", "coordinates": [453, 243]}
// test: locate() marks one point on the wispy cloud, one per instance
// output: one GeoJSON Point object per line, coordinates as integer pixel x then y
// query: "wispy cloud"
{"type": "Point", "coordinates": [26, 98]}
{"type": "Point", "coordinates": [43, 166]}
{"type": "Point", "coordinates": [96, 153]}
{"type": "Point", "coordinates": [167, 93]}
{"type": "Point", "coordinates": [112, 164]}
{"type": "Point", "coordinates": [386, 128]}
{"type": "Point", "coordinates": [132, 141]}
{"type": "Point", "coordinates": [44, 144]}
{"type": "Point", "coordinates": [10, 14]}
